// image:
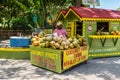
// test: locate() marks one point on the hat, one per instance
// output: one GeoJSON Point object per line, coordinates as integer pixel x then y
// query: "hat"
{"type": "Point", "coordinates": [58, 23]}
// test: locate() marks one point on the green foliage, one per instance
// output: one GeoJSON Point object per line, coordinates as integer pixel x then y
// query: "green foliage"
{"type": "Point", "coordinates": [26, 9]}
{"type": "Point", "coordinates": [1, 0]}
{"type": "Point", "coordinates": [20, 24]}
{"type": "Point", "coordinates": [118, 9]}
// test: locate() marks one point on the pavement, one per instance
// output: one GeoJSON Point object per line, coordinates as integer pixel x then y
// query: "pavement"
{"type": "Point", "coordinates": [5, 43]}
{"type": "Point", "coordinates": [95, 69]}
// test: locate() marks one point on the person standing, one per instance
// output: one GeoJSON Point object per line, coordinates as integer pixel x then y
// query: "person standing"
{"type": "Point", "coordinates": [60, 31]}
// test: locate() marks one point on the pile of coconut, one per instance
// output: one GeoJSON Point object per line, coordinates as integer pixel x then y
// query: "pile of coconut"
{"type": "Point", "coordinates": [59, 43]}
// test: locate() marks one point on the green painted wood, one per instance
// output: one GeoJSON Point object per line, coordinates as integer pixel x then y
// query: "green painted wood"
{"type": "Point", "coordinates": [105, 48]}
{"type": "Point", "coordinates": [96, 46]}
{"type": "Point", "coordinates": [46, 58]}
{"type": "Point", "coordinates": [15, 54]}
{"type": "Point", "coordinates": [53, 60]}
{"type": "Point", "coordinates": [72, 17]}
{"type": "Point", "coordinates": [86, 31]}
{"type": "Point", "coordinates": [114, 26]}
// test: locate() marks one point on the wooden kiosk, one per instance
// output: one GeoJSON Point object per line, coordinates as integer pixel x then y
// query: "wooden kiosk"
{"type": "Point", "coordinates": [97, 25]}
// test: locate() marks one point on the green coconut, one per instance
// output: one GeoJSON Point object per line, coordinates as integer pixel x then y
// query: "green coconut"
{"type": "Point", "coordinates": [42, 45]}
{"type": "Point", "coordinates": [70, 39]}
{"type": "Point", "coordinates": [71, 46]}
{"type": "Point", "coordinates": [61, 47]}
{"type": "Point", "coordinates": [47, 44]}
{"type": "Point", "coordinates": [57, 45]}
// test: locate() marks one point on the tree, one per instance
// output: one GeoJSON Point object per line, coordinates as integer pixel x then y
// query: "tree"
{"type": "Point", "coordinates": [34, 12]}
{"type": "Point", "coordinates": [6, 11]}
{"type": "Point", "coordinates": [118, 9]}
{"type": "Point", "coordinates": [42, 9]}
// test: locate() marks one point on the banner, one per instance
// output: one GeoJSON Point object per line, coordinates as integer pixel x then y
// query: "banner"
{"type": "Point", "coordinates": [74, 56]}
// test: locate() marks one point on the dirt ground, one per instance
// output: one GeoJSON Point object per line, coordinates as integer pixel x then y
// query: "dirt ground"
{"type": "Point", "coordinates": [95, 69]}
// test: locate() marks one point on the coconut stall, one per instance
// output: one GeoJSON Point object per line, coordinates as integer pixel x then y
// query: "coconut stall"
{"type": "Point", "coordinates": [100, 27]}
{"type": "Point", "coordinates": [57, 54]}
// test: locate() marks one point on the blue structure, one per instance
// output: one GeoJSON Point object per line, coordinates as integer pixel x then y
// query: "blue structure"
{"type": "Point", "coordinates": [19, 42]}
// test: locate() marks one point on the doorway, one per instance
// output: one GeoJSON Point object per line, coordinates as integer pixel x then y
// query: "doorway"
{"type": "Point", "coordinates": [79, 28]}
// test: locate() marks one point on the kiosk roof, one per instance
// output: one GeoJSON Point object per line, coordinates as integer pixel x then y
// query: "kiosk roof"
{"type": "Point", "coordinates": [85, 12]}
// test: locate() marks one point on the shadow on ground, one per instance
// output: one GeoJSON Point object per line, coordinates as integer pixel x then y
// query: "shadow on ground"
{"type": "Point", "coordinates": [97, 69]}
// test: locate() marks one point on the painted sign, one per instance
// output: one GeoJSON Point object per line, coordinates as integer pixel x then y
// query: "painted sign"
{"type": "Point", "coordinates": [91, 2]}
{"type": "Point", "coordinates": [89, 28]}
{"type": "Point", "coordinates": [37, 57]}
{"type": "Point", "coordinates": [74, 56]}
{"type": "Point", "coordinates": [48, 60]}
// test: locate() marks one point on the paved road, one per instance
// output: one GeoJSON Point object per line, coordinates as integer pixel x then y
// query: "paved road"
{"type": "Point", "coordinates": [96, 69]}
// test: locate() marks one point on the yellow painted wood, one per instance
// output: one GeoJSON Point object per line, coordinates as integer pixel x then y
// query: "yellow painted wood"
{"type": "Point", "coordinates": [99, 19]}
{"type": "Point", "coordinates": [70, 10]}
{"type": "Point", "coordinates": [104, 36]}
{"type": "Point", "coordinates": [95, 55]}
{"type": "Point", "coordinates": [14, 49]}
{"type": "Point", "coordinates": [60, 14]}
{"type": "Point", "coordinates": [71, 32]}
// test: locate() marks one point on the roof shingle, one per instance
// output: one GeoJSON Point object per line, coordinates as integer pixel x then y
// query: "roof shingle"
{"type": "Point", "coordinates": [85, 12]}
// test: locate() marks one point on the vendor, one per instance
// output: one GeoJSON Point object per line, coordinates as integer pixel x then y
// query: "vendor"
{"type": "Point", "coordinates": [59, 31]}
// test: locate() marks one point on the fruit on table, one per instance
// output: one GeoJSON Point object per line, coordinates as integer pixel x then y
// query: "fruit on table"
{"type": "Point", "coordinates": [75, 43]}
{"type": "Point", "coordinates": [102, 33]}
{"type": "Point", "coordinates": [71, 46]}
{"type": "Point", "coordinates": [78, 36]}
{"type": "Point", "coordinates": [35, 43]}
{"type": "Point", "coordinates": [35, 40]}
{"type": "Point", "coordinates": [66, 47]}
{"type": "Point", "coordinates": [70, 39]}
{"type": "Point", "coordinates": [41, 34]}
{"type": "Point", "coordinates": [115, 32]}
{"type": "Point", "coordinates": [61, 48]}
{"type": "Point", "coordinates": [47, 44]}
{"type": "Point", "coordinates": [58, 43]}
{"type": "Point", "coordinates": [42, 45]}
{"type": "Point", "coordinates": [52, 43]}
{"type": "Point", "coordinates": [98, 33]}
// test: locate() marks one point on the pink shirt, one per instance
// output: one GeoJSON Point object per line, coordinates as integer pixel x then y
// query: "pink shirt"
{"type": "Point", "coordinates": [60, 32]}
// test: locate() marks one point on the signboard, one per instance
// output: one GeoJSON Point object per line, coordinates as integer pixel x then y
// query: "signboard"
{"type": "Point", "coordinates": [45, 59]}
{"type": "Point", "coordinates": [72, 57]}
{"type": "Point", "coordinates": [91, 2]}
{"type": "Point", "coordinates": [50, 60]}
